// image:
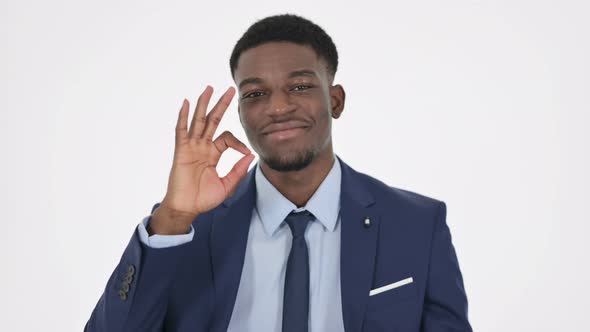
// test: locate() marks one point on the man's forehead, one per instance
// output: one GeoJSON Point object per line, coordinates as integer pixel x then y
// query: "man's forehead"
{"type": "Point", "coordinates": [278, 59]}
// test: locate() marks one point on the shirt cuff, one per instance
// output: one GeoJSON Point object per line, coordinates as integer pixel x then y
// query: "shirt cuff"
{"type": "Point", "coordinates": [162, 241]}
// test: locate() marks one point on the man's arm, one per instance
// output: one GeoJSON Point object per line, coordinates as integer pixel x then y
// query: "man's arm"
{"type": "Point", "coordinates": [445, 303]}
{"type": "Point", "coordinates": [135, 296]}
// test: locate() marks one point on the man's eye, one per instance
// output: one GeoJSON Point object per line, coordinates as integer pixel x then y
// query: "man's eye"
{"type": "Point", "coordinates": [303, 86]}
{"type": "Point", "coordinates": [253, 94]}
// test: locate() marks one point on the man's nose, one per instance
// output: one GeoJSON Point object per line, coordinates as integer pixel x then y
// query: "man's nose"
{"type": "Point", "coordinates": [280, 103]}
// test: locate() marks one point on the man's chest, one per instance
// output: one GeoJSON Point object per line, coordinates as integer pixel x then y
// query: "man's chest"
{"type": "Point", "coordinates": [259, 299]}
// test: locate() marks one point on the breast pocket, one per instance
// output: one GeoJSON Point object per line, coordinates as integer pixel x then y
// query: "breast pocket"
{"type": "Point", "coordinates": [388, 295]}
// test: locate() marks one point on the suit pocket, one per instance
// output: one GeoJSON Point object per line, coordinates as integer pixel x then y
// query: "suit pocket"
{"type": "Point", "coordinates": [390, 294]}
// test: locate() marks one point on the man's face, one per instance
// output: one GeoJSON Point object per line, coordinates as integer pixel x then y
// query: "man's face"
{"type": "Point", "coordinates": [285, 103]}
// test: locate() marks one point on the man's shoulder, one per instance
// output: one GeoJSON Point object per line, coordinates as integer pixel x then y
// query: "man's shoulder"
{"type": "Point", "coordinates": [394, 196]}
{"type": "Point", "coordinates": [402, 207]}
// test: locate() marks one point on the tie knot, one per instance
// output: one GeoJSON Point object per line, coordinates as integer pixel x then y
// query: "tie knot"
{"type": "Point", "coordinates": [298, 221]}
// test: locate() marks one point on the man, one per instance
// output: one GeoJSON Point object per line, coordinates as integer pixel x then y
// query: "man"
{"type": "Point", "coordinates": [301, 242]}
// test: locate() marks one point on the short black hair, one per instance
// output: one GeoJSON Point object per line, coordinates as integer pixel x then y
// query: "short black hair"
{"type": "Point", "coordinates": [290, 28]}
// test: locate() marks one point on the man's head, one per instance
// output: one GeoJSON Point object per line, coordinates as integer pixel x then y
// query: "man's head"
{"type": "Point", "coordinates": [284, 67]}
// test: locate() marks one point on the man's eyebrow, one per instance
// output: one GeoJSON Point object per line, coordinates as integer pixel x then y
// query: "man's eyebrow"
{"type": "Point", "coordinates": [250, 80]}
{"type": "Point", "coordinates": [303, 72]}
{"type": "Point", "coordinates": [257, 80]}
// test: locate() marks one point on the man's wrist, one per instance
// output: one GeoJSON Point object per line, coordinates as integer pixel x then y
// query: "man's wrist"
{"type": "Point", "coordinates": [169, 222]}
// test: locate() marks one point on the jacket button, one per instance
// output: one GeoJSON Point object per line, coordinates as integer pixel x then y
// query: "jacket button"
{"type": "Point", "coordinates": [125, 287]}
{"type": "Point", "coordinates": [122, 295]}
{"type": "Point", "coordinates": [131, 269]}
{"type": "Point", "coordinates": [367, 222]}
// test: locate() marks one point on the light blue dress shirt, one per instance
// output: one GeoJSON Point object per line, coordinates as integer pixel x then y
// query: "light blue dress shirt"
{"type": "Point", "coordinates": [259, 302]}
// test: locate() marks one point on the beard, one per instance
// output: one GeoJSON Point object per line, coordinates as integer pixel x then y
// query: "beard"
{"type": "Point", "coordinates": [294, 161]}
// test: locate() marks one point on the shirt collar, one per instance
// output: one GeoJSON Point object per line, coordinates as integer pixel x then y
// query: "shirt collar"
{"type": "Point", "coordinates": [324, 204]}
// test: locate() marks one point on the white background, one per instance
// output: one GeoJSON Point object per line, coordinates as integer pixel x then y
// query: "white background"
{"type": "Point", "coordinates": [482, 104]}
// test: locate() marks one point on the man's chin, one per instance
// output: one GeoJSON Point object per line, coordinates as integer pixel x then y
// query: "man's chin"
{"type": "Point", "coordinates": [290, 162]}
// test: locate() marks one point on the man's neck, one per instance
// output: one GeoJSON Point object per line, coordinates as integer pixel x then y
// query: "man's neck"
{"type": "Point", "coordinates": [299, 186]}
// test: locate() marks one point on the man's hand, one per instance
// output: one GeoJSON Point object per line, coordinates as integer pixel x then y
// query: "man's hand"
{"type": "Point", "coordinates": [194, 186]}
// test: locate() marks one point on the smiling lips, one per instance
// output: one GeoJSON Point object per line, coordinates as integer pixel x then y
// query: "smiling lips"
{"type": "Point", "coordinates": [285, 130]}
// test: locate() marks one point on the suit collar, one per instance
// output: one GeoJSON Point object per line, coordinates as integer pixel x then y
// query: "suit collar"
{"type": "Point", "coordinates": [273, 207]}
{"type": "Point", "coordinates": [350, 185]}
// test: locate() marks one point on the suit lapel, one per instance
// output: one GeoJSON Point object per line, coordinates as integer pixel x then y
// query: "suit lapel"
{"type": "Point", "coordinates": [229, 236]}
{"type": "Point", "coordinates": [358, 247]}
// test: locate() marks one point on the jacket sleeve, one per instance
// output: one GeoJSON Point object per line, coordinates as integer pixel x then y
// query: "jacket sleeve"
{"type": "Point", "coordinates": [445, 303]}
{"type": "Point", "coordinates": [135, 296]}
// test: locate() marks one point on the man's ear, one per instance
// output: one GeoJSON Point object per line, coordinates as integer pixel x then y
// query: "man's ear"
{"type": "Point", "coordinates": [337, 96]}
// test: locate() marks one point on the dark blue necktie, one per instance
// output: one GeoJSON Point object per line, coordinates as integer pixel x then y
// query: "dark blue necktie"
{"type": "Point", "coordinates": [296, 296]}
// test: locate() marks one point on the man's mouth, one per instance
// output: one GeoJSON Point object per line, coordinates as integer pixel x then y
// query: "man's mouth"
{"type": "Point", "coordinates": [284, 126]}
{"type": "Point", "coordinates": [285, 134]}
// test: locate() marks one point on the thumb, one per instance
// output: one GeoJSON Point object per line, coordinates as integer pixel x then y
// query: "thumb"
{"type": "Point", "coordinates": [235, 175]}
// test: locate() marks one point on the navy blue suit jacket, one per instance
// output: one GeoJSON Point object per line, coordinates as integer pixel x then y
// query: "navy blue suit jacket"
{"type": "Point", "coordinates": [193, 287]}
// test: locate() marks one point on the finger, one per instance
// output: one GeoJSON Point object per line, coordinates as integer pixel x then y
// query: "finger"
{"type": "Point", "coordinates": [231, 180]}
{"type": "Point", "coordinates": [199, 117]}
{"type": "Point", "coordinates": [228, 140]}
{"type": "Point", "coordinates": [181, 123]}
{"type": "Point", "coordinates": [214, 117]}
